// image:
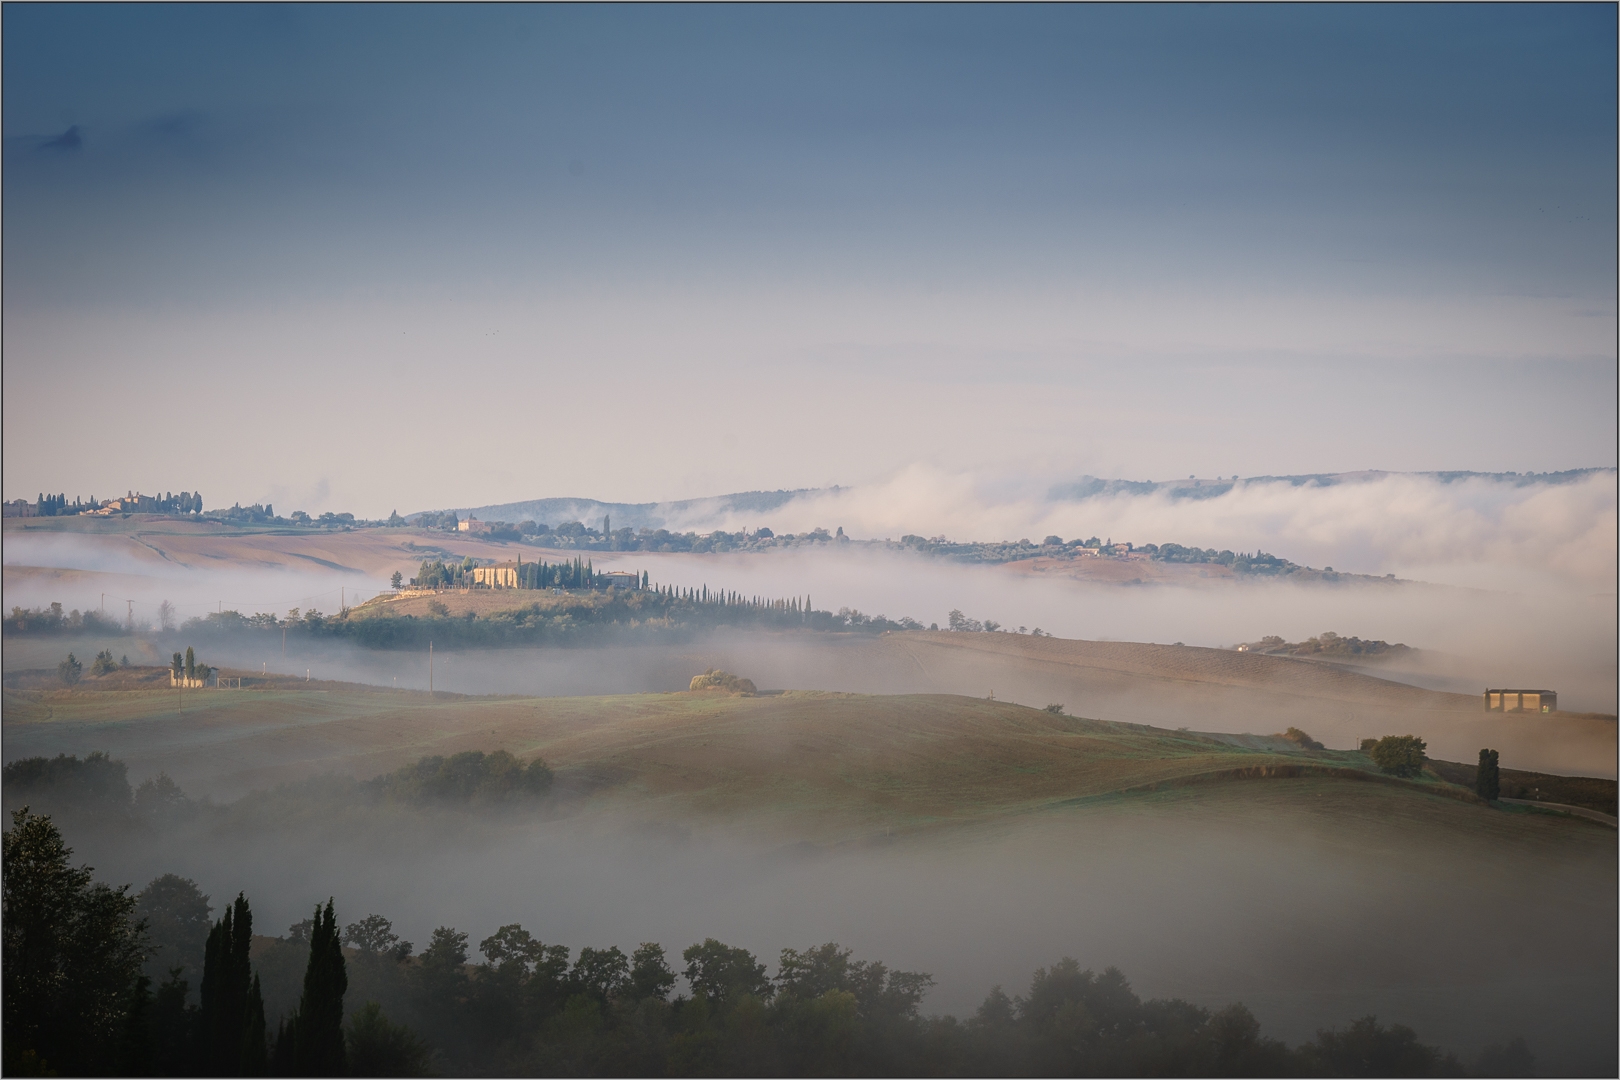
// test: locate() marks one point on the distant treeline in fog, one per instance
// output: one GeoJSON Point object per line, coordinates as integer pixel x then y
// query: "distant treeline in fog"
{"type": "Point", "coordinates": [1327, 644]}
{"type": "Point", "coordinates": [579, 617]}
{"type": "Point", "coordinates": [575, 535]}
{"type": "Point", "coordinates": [102, 982]}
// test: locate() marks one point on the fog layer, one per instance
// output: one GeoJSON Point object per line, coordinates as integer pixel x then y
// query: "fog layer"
{"type": "Point", "coordinates": [1311, 902]}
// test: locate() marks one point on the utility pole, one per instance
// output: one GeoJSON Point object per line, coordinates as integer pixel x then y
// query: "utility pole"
{"type": "Point", "coordinates": [430, 667]}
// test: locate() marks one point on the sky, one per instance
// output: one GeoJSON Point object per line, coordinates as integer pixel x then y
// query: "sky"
{"type": "Point", "coordinates": [367, 258]}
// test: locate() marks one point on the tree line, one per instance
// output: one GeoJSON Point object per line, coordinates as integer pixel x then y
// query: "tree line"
{"type": "Point", "coordinates": [578, 535]}
{"type": "Point", "coordinates": [53, 620]}
{"type": "Point", "coordinates": [581, 616]}
{"type": "Point", "coordinates": [1257, 562]}
{"type": "Point", "coordinates": [79, 1001]}
{"type": "Point", "coordinates": [572, 574]}
{"type": "Point", "coordinates": [187, 502]}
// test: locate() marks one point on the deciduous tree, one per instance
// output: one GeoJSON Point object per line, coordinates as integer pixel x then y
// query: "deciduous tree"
{"type": "Point", "coordinates": [1401, 755]}
{"type": "Point", "coordinates": [72, 955]}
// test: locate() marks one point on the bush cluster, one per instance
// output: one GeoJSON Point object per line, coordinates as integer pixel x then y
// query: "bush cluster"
{"type": "Point", "coordinates": [715, 679]}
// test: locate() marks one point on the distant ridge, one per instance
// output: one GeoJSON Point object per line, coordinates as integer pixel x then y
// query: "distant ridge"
{"type": "Point", "coordinates": [701, 513]}
{"type": "Point", "coordinates": [1206, 488]}
{"type": "Point", "coordinates": [680, 514]}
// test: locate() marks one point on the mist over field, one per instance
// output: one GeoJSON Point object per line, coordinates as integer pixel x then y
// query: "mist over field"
{"type": "Point", "coordinates": [1504, 582]}
{"type": "Point", "coordinates": [922, 287]}
{"type": "Point", "coordinates": [1308, 916]}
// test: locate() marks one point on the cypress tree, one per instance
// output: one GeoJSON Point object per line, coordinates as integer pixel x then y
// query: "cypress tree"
{"type": "Point", "coordinates": [318, 1039]}
{"type": "Point", "coordinates": [1488, 777]}
{"type": "Point", "coordinates": [213, 1020]}
{"type": "Point", "coordinates": [284, 1059]}
{"type": "Point", "coordinates": [255, 1057]}
{"type": "Point", "coordinates": [232, 1017]}
{"type": "Point", "coordinates": [191, 663]}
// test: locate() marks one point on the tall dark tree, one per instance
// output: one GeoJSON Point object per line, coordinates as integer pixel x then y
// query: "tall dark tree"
{"type": "Point", "coordinates": [232, 1007]}
{"type": "Point", "coordinates": [1488, 779]}
{"type": "Point", "coordinates": [175, 1027]}
{"type": "Point", "coordinates": [137, 1051]}
{"type": "Point", "coordinates": [191, 663]}
{"type": "Point", "coordinates": [318, 1027]}
{"type": "Point", "coordinates": [255, 1051]}
{"type": "Point", "coordinates": [72, 953]}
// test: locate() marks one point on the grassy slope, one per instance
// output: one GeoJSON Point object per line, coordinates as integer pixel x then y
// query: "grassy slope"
{"type": "Point", "coordinates": [1593, 793]}
{"type": "Point", "coordinates": [833, 763]}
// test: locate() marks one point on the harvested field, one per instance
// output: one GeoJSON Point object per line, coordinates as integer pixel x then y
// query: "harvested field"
{"type": "Point", "coordinates": [157, 542]}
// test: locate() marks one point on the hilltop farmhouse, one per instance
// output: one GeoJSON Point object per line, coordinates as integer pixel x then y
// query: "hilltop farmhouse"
{"type": "Point", "coordinates": [501, 575]}
{"type": "Point", "coordinates": [1521, 701]}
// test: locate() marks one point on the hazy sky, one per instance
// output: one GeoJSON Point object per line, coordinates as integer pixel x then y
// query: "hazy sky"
{"type": "Point", "coordinates": [368, 257]}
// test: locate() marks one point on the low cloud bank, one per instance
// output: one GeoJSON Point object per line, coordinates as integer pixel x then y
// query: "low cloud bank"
{"type": "Point", "coordinates": [1480, 531]}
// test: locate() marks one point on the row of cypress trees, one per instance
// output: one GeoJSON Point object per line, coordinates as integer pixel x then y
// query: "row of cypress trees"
{"type": "Point", "coordinates": [231, 1027]}
{"type": "Point", "coordinates": [229, 1031]}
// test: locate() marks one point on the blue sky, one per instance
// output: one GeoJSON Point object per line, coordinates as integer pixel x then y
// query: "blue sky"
{"type": "Point", "coordinates": [371, 256]}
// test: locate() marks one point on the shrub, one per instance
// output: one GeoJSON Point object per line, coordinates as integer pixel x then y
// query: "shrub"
{"type": "Point", "coordinates": [1401, 755]}
{"type": "Point", "coordinates": [466, 777]}
{"type": "Point", "coordinates": [103, 663]}
{"type": "Point", "coordinates": [379, 1047]}
{"type": "Point", "coordinates": [1302, 740]}
{"type": "Point", "coordinates": [715, 679]}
